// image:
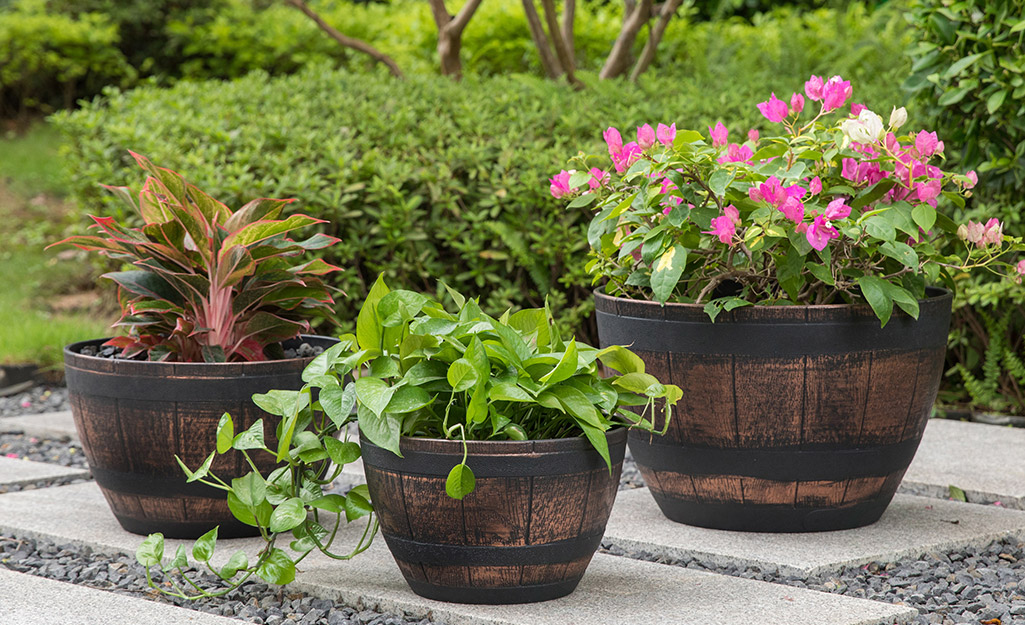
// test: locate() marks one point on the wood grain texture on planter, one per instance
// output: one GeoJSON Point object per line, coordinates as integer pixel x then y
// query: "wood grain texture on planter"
{"type": "Point", "coordinates": [526, 533]}
{"type": "Point", "coordinates": [133, 417]}
{"type": "Point", "coordinates": [793, 418]}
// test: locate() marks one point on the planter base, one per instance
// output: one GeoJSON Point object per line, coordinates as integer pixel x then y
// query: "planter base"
{"type": "Point", "coordinates": [494, 596]}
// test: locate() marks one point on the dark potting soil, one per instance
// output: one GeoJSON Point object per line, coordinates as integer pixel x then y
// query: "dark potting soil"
{"type": "Point", "coordinates": [304, 350]}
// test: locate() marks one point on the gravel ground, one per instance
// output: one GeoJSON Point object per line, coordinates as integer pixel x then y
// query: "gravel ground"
{"type": "Point", "coordinates": [960, 587]}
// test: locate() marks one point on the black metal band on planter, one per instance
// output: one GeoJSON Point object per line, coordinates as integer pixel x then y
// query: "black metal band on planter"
{"type": "Point", "coordinates": [747, 517]}
{"type": "Point", "coordinates": [196, 389]}
{"type": "Point", "coordinates": [487, 555]}
{"type": "Point", "coordinates": [786, 335]}
{"type": "Point", "coordinates": [784, 465]}
{"type": "Point", "coordinates": [513, 465]}
{"type": "Point", "coordinates": [153, 486]}
{"type": "Point", "coordinates": [494, 596]}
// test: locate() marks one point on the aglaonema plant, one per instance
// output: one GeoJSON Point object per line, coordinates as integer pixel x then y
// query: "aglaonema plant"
{"type": "Point", "coordinates": [463, 374]}
{"type": "Point", "coordinates": [293, 502]}
{"type": "Point", "coordinates": [208, 284]}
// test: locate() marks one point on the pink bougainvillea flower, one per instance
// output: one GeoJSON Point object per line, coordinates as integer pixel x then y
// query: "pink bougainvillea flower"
{"type": "Point", "coordinates": [645, 136]}
{"type": "Point", "coordinates": [835, 93]}
{"type": "Point", "coordinates": [795, 190]}
{"type": "Point", "coordinates": [770, 192]}
{"type": "Point", "coordinates": [720, 136]}
{"type": "Point", "coordinates": [927, 143]}
{"type": "Point", "coordinates": [856, 109]}
{"type": "Point", "coordinates": [599, 178]}
{"type": "Point", "coordinates": [837, 209]}
{"type": "Point", "coordinates": [559, 184]}
{"type": "Point", "coordinates": [1020, 268]}
{"type": "Point", "coordinates": [793, 209]}
{"type": "Point", "coordinates": [990, 233]}
{"type": "Point", "coordinates": [797, 102]}
{"type": "Point", "coordinates": [820, 232]}
{"type": "Point", "coordinates": [849, 170]}
{"type": "Point", "coordinates": [994, 233]}
{"type": "Point", "coordinates": [614, 140]}
{"type": "Point", "coordinates": [752, 135]}
{"type": "Point", "coordinates": [813, 88]}
{"type": "Point", "coordinates": [774, 109]}
{"type": "Point", "coordinates": [928, 191]}
{"type": "Point", "coordinates": [815, 186]}
{"type": "Point", "coordinates": [630, 154]}
{"type": "Point", "coordinates": [973, 179]}
{"type": "Point", "coordinates": [725, 227]}
{"type": "Point", "coordinates": [736, 154]}
{"type": "Point", "coordinates": [671, 200]}
{"type": "Point", "coordinates": [666, 134]}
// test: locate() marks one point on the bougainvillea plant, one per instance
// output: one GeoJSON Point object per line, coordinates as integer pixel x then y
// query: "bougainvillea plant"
{"type": "Point", "coordinates": [209, 284]}
{"type": "Point", "coordinates": [838, 206]}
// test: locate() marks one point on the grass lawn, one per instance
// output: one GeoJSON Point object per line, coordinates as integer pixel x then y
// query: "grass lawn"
{"type": "Point", "coordinates": [46, 300]}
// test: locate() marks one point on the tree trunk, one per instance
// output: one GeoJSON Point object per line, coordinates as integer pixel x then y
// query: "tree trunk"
{"type": "Point", "coordinates": [654, 38]}
{"type": "Point", "coordinates": [549, 63]}
{"type": "Point", "coordinates": [619, 59]}
{"type": "Point", "coordinates": [561, 50]}
{"type": "Point", "coordinates": [569, 11]}
{"type": "Point", "coordinates": [450, 35]}
{"type": "Point", "coordinates": [349, 42]}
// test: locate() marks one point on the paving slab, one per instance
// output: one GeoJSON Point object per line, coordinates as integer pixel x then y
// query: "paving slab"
{"type": "Point", "coordinates": [911, 527]}
{"type": "Point", "coordinates": [31, 600]}
{"type": "Point", "coordinates": [615, 590]}
{"type": "Point", "coordinates": [15, 471]}
{"type": "Point", "coordinates": [986, 461]}
{"type": "Point", "coordinates": [55, 425]}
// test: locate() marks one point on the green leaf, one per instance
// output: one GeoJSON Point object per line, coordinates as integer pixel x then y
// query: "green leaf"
{"type": "Point", "coordinates": [875, 293]}
{"type": "Point", "coordinates": [251, 489]}
{"type": "Point", "coordinates": [462, 375]}
{"type": "Point", "coordinates": [425, 371]}
{"type": "Point", "coordinates": [369, 331]}
{"type": "Point", "coordinates": [379, 429]}
{"type": "Point", "coordinates": [374, 394]}
{"type": "Point", "coordinates": [151, 551]}
{"type": "Point", "coordinates": [332, 503]}
{"type": "Point", "coordinates": [507, 391]}
{"type": "Point", "coordinates": [576, 403]}
{"type": "Point", "coordinates": [277, 568]}
{"type": "Point", "coordinates": [924, 215]}
{"type": "Point", "coordinates": [640, 383]}
{"type": "Point", "coordinates": [953, 96]}
{"type": "Point", "coordinates": [880, 228]}
{"type": "Point", "coordinates": [342, 453]}
{"type": "Point", "coordinates": [995, 101]}
{"type": "Point", "coordinates": [288, 515]}
{"type": "Point", "coordinates": [667, 271]}
{"type": "Point", "coordinates": [903, 298]}
{"type": "Point", "coordinates": [957, 494]}
{"type": "Point", "coordinates": [565, 368]}
{"type": "Point", "coordinates": [203, 549]}
{"type": "Point", "coordinates": [460, 481]}
{"type": "Point", "coordinates": [179, 561]}
{"type": "Point", "coordinates": [584, 200]}
{"type": "Point", "coordinates": [719, 180]}
{"type": "Point", "coordinates": [202, 471]}
{"type": "Point", "coordinates": [357, 503]}
{"type": "Point", "coordinates": [961, 64]}
{"type": "Point", "coordinates": [621, 359]}
{"type": "Point", "coordinates": [236, 562]}
{"type": "Point", "coordinates": [225, 433]}
{"type": "Point", "coordinates": [477, 409]}
{"type": "Point", "coordinates": [251, 438]}
{"type": "Point", "coordinates": [408, 399]}
{"type": "Point", "coordinates": [901, 252]}
{"type": "Point", "coordinates": [598, 441]}
{"type": "Point", "coordinates": [338, 403]}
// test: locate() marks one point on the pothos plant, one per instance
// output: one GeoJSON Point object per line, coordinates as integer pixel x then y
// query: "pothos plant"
{"type": "Point", "coordinates": [462, 374]}
{"type": "Point", "coordinates": [293, 503]}
{"type": "Point", "coordinates": [208, 284]}
{"type": "Point", "coordinates": [837, 207]}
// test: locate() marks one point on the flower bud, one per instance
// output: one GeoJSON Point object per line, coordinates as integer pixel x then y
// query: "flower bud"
{"type": "Point", "coordinates": [962, 232]}
{"type": "Point", "coordinates": [897, 117]}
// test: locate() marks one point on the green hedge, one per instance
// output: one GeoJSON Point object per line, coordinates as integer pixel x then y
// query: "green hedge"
{"type": "Point", "coordinates": [428, 178]}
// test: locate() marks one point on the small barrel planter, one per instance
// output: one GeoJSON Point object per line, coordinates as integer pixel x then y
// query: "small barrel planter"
{"type": "Point", "coordinates": [134, 416]}
{"type": "Point", "coordinates": [525, 534]}
{"type": "Point", "coordinates": [793, 418]}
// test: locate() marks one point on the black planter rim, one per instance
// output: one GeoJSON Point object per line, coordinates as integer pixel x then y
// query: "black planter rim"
{"type": "Point", "coordinates": [556, 456]}
{"type": "Point", "coordinates": [604, 302]}
{"type": "Point", "coordinates": [72, 354]}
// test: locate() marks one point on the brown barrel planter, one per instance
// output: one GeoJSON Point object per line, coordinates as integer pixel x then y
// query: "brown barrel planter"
{"type": "Point", "coordinates": [793, 418]}
{"type": "Point", "coordinates": [525, 534]}
{"type": "Point", "coordinates": [134, 416]}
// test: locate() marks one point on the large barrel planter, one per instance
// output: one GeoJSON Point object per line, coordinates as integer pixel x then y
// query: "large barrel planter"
{"type": "Point", "coordinates": [793, 418]}
{"type": "Point", "coordinates": [525, 534]}
{"type": "Point", "coordinates": [134, 416]}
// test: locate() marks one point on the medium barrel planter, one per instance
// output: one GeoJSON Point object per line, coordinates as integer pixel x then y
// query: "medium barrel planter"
{"type": "Point", "coordinates": [525, 534]}
{"type": "Point", "coordinates": [793, 418]}
{"type": "Point", "coordinates": [134, 416]}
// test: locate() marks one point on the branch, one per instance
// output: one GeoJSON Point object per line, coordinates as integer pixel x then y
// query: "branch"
{"type": "Point", "coordinates": [462, 18]}
{"type": "Point", "coordinates": [619, 58]}
{"type": "Point", "coordinates": [537, 32]}
{"type": "Point", "coordinates": [349, 42]}
{"type": "Point", "coordinates": [648, 54]}
{"type": "Point", "coordinates": [440, 13]}
{"type": "Point", "coordinates": [565, 58]}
